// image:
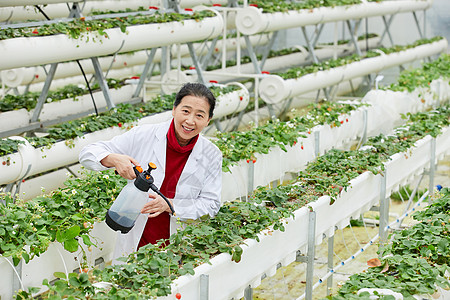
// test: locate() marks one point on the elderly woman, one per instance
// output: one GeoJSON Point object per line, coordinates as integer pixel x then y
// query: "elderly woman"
{"type": "Point", "coordinates": [188, 173]}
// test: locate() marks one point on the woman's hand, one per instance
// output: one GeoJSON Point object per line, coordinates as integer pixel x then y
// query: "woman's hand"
{"type": "Point", "coordinates": [156, 206]}
{"type": "Point", "coordinates": [123, 164]}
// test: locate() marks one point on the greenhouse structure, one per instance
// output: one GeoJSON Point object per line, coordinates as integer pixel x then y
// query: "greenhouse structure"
{"type": "Point", "coordinates": [332, 118]}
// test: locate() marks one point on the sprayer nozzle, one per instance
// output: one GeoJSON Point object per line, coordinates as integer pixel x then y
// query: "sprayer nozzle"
{"type": "Point", "coordinates": [151, 165]}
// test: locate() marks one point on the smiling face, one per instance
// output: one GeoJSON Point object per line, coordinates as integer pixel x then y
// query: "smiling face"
{"type": "Point", "coordinates": [190, 117]}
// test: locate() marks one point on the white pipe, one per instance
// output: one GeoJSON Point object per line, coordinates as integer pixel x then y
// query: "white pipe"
{"type": "Point", "coordinates": [251, 20]}
{"type": "Point", "coordinates": [61, 10]}
{"type": "Point", "coordinates": [5, 3]}
{"type": "Point", "coordinates": [273, 88]}
{"type": "Point", "coordinates": [32, 51]}
{"type": "Point", "coordinates": [24, 76]}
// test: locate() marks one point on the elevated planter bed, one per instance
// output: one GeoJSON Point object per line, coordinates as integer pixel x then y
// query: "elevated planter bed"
{"type": "Point", "coordinates": [32, 75]}
{"type": "Point", "coordinates": [32, 51]}
{"type": "Point", "coordinates": [251, 20]}
{"type": "Point", "coordinates": [274, 89]}
{"type": "Point", "coordinates": [258, 258]}
{"type": "Point", "coordinates": [228, 279]}
{"type": "Point", "coordinates": [59, 109]}
{"type": "Point", "coordinates": [59, 10]}
{"type": "Point", "coordinates": [7, 3]}
{"type": "Point", "coordinates": [57, 259]}
{"type": "Point", "coordinates": [275, 164]}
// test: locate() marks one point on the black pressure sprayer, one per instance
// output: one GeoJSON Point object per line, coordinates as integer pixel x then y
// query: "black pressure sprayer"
{"type": "Point", "coordinates": [126, 208]}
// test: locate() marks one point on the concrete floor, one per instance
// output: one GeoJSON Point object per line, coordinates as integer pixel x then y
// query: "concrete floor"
{"type": "Point", "coordinates": [289, 282]}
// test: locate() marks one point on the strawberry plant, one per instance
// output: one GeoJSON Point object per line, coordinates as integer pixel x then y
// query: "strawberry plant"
{"type": "Point", "coordinates": [333, 63]}
{"type": "Point", "coordinates": [149, 271]}
{"type": "Point", "coordinates": [236, 145]}
{"type": "Point", "coordinates": [81, 27]}
{"type": "Point", "coordinates": [415, 260]}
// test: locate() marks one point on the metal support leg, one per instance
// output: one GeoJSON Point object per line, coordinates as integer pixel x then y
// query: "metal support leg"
{"type": "Point", "coordinates": [75, 11]}
{"type": "Point", "coordinates": [311, 254]}
{"type": "Point", "coordinates": [206, 60]}
{"type": "Point", "coordinates": [248, 293]}
{"type": "Point", "coordinates": [384, 210]}
{"type": "Point", "coordinates": [353, 29]}
{"type": "Point", "coordinates": [330, 263]}
{"type": "Point", "coordinates": [418, 25]}
{"type": "Point", "coordinates": [204, 287]}
{"type": "Point", "coordinates": [310, 46]}
{"type": "Point", "coordinates": [198, 68]}
{"type": "Point", "coordinates": [432, 167]}
{"type": "Point", "coordinates": [252, 55]}
{"type": "Point", "coordinates": [268, 48]}
{"type": "Point", "coordinates": [251, 177]}
{"type": "Point", "coordinates": [143, 77]}
{"type": "Point", "coordinates": [44, 93]}
{"type": "Point", "coordinates": [218, 126]}
{"type": "Point", "coordinates": [387, 24]}
{"type": "Point", "coordinates": [102, 82]}
{"type": "Point", "coordinates": [316, 143]}
{"type": "Point", "coordinates": [16, 282]}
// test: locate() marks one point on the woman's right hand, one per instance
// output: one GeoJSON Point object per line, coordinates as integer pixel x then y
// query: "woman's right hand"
{"type": "Point", "coordinates": [123, 164]}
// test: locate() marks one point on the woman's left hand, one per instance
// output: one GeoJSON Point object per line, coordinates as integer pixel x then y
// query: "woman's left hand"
{"type": "Point", "coordinates": [156, 206]}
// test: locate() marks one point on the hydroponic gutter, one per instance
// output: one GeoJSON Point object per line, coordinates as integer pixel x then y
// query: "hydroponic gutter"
{"type": "Point", "coordinates": [18, 121]}
{"type": "Point", "coordinates": [273, 88]}
{"type": "Point", "coordinates": [32, 75]}
{"type": "Point", "coordinates": [59, 10]}
{"type": "Point", "coordinates": [32, 51]}
{"type": "Point", "coordinates": [263, 257]}
{"type": "Point", "coordinates": [251, 20]}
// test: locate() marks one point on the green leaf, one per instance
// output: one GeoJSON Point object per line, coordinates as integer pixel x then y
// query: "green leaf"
{"type": "Point", "coordinates": [86, 240]}
{"type": "Point", "coordinates": [237, 253]}
{"type": "Point", "coordinates": [72, 232]}
{"type": "Point", "coordinates": [71, 245]}
{"type": "Point", "coordinates": [60, 275]}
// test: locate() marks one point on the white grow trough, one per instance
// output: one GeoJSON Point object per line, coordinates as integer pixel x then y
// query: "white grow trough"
{"type": "Point", "coordinates": [274, 89]}
{"type": "Point", "coordinates": [31, 51]}
{"type": "Point", "coordinates": [251, 20]}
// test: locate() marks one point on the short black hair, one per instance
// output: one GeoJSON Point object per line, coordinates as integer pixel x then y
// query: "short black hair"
{"type": "Point", "coordinates": [198, 90]}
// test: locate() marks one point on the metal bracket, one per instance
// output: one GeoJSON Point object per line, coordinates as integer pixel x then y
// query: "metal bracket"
{"type": "Point", "coordinates": [102, 82]}
{"type": "Point", "coordinates": [204, 287]}
{"type": "Point", "coordinates": [252, 55]}
{"type": "Point", "coordinates": [44, 93]}
{"type": "Point", "coordinates": [310, 255]}
{"type": "Point", "coordinates": [147, 67]}
{"type": "Point", "coordinates": [384, 209]}
{"type": "Point", "coordinates": [387, 24]}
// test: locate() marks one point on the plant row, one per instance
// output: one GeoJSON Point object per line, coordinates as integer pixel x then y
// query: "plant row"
{"type": "Point", "coordinates": [29, 100]}
{"type": "Point", "coordinates": [333, 63]}
{"type": "Point", "coordinates": [285, 6]}
{"type": "Point", "coordinates": [414, 262]}
{"type": "Point", "coordinates": [80, 27]}
{"type": "Point", "coordinates": [149, 271]}
{"type": "Point", "coordinates": [120, 116]}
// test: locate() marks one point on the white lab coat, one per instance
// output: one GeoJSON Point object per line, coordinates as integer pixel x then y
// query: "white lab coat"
{"type": "Point", "coordinates": [199, 187]}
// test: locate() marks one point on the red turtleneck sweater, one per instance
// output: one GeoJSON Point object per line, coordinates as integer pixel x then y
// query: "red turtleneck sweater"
{"type": "Point", "coordinates": [176, 157]}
